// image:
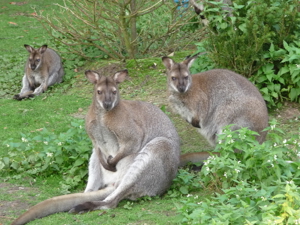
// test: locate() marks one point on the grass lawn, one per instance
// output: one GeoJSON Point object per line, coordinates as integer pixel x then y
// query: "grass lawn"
{"type": "Point", "coordinates": [69, 101]}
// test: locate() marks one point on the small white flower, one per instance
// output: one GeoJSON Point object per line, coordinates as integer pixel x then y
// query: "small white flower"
{"type": "Point", "coordinates": [275, 144]}
{"type": "Point", "coordinates": [49, 154]}
{"type": "Point", "coordinates": [207, 168]}
{"type": "Point", "coordinates": [275, 157]}
{"type": "Point", "coordinates": [237, 171]}
{"type": "Point", "coordinates": [24, 139]}
{"type": "Point", "coordinates": [229, 136]}
{"type": "Point", "coordinates": [8, 145]}
{"type": "Point", "coordinates": [225, 174]}
{"type": "Point", "coordinates": [263, 198]}
{"type": "Point", "coordinates": [45, 142]}
{"type": "Point", "coordinates": [189, 195]}
{"type": "Point", "coordinates": [272, 165]}
{"type": "Point", "coordinates": [59, 143]}
{"type": "Point", "coordinates": [298, 65]}
{"type": "Point", "coordinates": [196, 197]}
{"type": "Point", "coordinates": [80, 127]}
{"type": "Point", "coordinates": [199, 203]}
{"type": "Point", "coordinates": [272, 127]}
{"type": "Point", "coordinates": [220, 142]}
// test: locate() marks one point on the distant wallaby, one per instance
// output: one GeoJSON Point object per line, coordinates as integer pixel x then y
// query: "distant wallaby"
{"type": "Point", "coordinates": [43, 69]}
{"type": "Point", "coordinates": [213, 99]}
{"type": "Point", "coordinates": [135, 152]}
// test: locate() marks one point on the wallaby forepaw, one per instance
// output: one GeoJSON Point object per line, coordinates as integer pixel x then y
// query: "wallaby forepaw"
{"type": "Point", "coordinates": [109, 159]}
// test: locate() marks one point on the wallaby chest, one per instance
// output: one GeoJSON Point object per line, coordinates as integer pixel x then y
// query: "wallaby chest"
{"type": "Point", "coordinates": [36, 77]}
{"type": "Point", "coordinates": [181, 107]}
{"type": "Point", "coordinates": [103, 137]}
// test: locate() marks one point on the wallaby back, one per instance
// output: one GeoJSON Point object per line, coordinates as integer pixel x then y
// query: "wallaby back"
{"type": "Point", "coordinates": [42, 69]}
{"type": "Point", "coordinates": [213, 99]}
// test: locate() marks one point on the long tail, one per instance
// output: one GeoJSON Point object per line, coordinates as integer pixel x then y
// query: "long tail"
{"type": "Point", "coordinates": [61, 203]}
{"type": "Point", "coordinates": [196, 157]}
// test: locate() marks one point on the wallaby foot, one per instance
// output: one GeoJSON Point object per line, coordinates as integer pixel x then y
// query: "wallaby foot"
{"type": "Point", "coordinates": [21, 97]}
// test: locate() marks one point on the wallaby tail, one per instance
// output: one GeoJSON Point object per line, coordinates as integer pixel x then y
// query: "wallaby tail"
{"type": "Point", "coordinates": [195, 157]}
{"type": "Point", "coordinates": [61, 204]}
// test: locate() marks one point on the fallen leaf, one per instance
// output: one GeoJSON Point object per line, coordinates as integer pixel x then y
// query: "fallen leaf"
{"type": "Point", "coordinates": [13, 23]}
{"type": "Point", "coordinates": [33, 14]}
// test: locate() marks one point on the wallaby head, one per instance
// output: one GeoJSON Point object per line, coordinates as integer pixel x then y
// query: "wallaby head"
{"type": "Point", "coordinates": [106, 92]}
{"type": "Point", "coordinates": [35, 57]}
{"type": "Point", "coordinates": [179, 77]}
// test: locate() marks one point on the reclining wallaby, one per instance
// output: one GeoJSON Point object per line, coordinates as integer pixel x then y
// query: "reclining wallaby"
{"type": "Point", "coordinates": [213, 99]}
{"type": "Point", "coordinates": [42, 69]}
{"type": "Point", "coordinates": [137, 142]}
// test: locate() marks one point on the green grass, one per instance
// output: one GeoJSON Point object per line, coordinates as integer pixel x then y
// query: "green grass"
{"type": "Point", "coordinates": [65, 102]}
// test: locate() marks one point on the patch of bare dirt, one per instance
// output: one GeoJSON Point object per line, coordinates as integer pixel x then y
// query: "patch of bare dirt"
{"type": "Point", "coordinates": [9, 208]}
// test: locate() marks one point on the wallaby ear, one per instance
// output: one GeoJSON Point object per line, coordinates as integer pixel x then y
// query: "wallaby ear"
{"type": "Point", "coordinates": [120, 76]}
{"type": "Point", "coordinates": [29, 48]}
{"type": "Point", "coordinates": [92, 76]}
{"type": "Point", "coordinates": [189, 61]}
{"type": "Point", "coordinates": [168, 62]}
{"type": "Point", "coordinates": [42, 49]}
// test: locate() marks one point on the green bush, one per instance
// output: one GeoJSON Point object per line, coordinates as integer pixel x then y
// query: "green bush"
{"type": "Point", "coordinates": [260, 40]}
{"type": "Point", "coordinates": [45, 153]}
{"type": "Point", "coordinates": [260, 185]}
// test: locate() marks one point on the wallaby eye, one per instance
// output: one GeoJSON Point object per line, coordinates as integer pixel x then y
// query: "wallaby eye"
{"type": "Point", "coordinates": [37, 60]}
{"type": "Point", "coordinates": [174, 78]}
{"type": "Point", "coordinates": [187, 77]}
{"type": "Point", "coordinates": [114, 92]}
{"type": "Point", "coordinates": [99, 92]}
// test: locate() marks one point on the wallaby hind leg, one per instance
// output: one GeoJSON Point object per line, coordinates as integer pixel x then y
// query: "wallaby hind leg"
{"type": "Point", "coordinates": [94, 181]}
{"type": "Point", "coordinates": [26, 91]}
{"type": "Point", "coordinates": [150, 174]}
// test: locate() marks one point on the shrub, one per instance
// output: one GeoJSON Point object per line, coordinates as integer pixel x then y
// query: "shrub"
{"type": "Point", "coordinates": [121, 29]}
{"type": "Point", "coordinates": [259, 40]}
{"type": "Point", "coordinates": [258, 186]}
{"type": "Point", "coordinates": [45, 153]}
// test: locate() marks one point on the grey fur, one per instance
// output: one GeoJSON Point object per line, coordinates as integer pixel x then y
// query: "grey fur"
{"type": "Point", "coordinates": [42, 69]}
{"type": "Point", "coordinates": [138, 138]}
{"type": "Point", "coordinates": [213, 99]}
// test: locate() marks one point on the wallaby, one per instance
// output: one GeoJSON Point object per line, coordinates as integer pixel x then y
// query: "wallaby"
{"type": "Point", "coordinates": [213, 99]}
{"type": "Point", "coordinates": [42, 69]}
{"type": "Point", "coordinates": [135, 140]}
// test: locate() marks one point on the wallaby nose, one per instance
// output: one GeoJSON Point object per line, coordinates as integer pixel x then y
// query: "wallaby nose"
{"type": "Point", "coordinates": [107, 105]}
{"type": "Point", "coordinates": [32, 66]}
{"type": "Point", "coordinates": [181, 88]}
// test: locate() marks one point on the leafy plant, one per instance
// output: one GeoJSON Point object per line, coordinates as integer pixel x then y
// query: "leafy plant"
{"type": "Point", "coordinates": [280, 81]}
{"type": "Point", "coordinates": [260, 40]}
{"type": "Point", "coordinates": [47, 153]}
{"type": "Point", "coordinates": [259, 185]}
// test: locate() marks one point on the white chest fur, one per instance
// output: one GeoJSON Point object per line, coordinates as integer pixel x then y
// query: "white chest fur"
{"type": "Point", "coordinates": [181, 109]}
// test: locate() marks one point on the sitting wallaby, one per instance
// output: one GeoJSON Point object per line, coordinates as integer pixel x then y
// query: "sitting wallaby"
{"type": "Point", "coordinates": [213, 99]}
{"type": "Point", "coordinates": [135, 152]}
{"type": "Point", "coordinates": [42, 69]}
